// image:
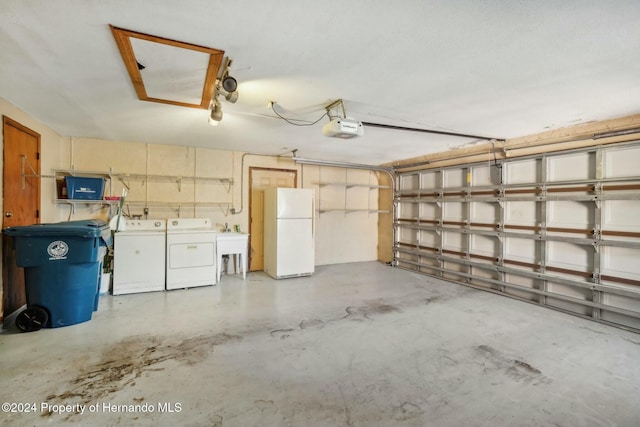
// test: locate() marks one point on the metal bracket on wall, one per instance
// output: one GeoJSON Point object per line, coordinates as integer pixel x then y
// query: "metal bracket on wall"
{"type": "Point", "coordinates": [24, 161]}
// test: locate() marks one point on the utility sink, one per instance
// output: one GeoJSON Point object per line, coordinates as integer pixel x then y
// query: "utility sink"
{"type": "Point", "coordinates": [233, 243]}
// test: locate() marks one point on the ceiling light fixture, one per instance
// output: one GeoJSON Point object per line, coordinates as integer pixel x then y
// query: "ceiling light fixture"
{"type": "Point", "coordinates": [216, 113]}
{"type": "Point", "coordinates": [232, 97]}
{"type": "Point", "coordinates": [226, 86]}
{"type": "Point", "coordinates": [229, 84]}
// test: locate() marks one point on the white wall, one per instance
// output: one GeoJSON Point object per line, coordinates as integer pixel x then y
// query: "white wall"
{"type": "Point", "coordinates": [346, 229]}
{"type": "Point", "coordinates": [343, 235]}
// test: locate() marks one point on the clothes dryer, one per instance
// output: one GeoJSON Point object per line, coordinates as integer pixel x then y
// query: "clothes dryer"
{"type": "Point", "coordinates": [191, 253]}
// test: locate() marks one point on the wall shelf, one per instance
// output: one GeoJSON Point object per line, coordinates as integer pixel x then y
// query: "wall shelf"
{"type": "Point", "coordinates": [346, 211]}
{"type": "Point", "coordinates": [348, 185]}
{"type": "Point", "coordinates": [348, 188]}
{"type": "Point", "coordinates": [127, 178]}
{"type": "Point", "coordinates": [74, 202]}
{"type": "Point", "coordinates": [224, 206]}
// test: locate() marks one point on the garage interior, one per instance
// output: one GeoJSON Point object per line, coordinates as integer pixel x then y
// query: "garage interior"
{"type": "Point", "coordinates": [476, 238]}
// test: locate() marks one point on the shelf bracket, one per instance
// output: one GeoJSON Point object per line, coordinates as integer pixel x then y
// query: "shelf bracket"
{"type": "Point", "coordinates": [24, 161]}
{"type": "Point", "coordinates": [224, 210]}
{"type": "Point", "coordinates": [125, 183]}
{"type": "Point", "coordinates": [228, 186]}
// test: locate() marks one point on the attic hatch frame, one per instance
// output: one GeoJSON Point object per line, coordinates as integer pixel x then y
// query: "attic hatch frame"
{"type": "Point", "coordinates": [123, 40]}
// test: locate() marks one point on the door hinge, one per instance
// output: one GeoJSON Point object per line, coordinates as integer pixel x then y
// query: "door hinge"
{"type": "Point", "coordinates": [37, 213]}
{"type": "Point", "coordinates": [37, 156]}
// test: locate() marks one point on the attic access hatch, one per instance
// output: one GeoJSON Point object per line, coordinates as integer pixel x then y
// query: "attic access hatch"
{"type": "Point", "coordinates": [169, 71]}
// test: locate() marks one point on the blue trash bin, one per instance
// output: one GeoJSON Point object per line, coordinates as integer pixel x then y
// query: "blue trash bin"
{"type": "Point", "coordinates": [62, 267]}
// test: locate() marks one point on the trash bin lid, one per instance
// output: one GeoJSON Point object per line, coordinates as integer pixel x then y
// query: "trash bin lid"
{"type": "Point", "coordinates": [87, 228]}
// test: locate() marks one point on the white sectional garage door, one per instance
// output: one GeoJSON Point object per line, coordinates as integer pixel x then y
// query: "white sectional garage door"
{"type": "Point", "coordinates": [561, 230]}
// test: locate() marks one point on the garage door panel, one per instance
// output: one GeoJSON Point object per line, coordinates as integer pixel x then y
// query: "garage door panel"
{"type": "Point", "coordinates": [522, 172]}
{"type": "Point", "coordinates": [621, 319]}
{"type": "Point", "coordinates": [522, 294]}
{"type": "Point", "coordinates": [621, 262]}
{"type": "Point", "coordinates": [571, 214]}
{"type": "Point", "coordinates": [479, 273]}
{"type": "Point", "coordinates": [454, 178]}
{"type": "Point", "coordinates": [429, 180]}
{"type": "Point", "coordinates": [407, 210]}
{"type": "Point", "coordinates": [453, 241]}
{"type": "Point", "coordinates": [485, 213]}
{"type": "Point", "coordinates": [429, 211]}
{"type": "Point", "coordinates": [573, 307]}
{"type": "Point", "coordinates": [402, 257]}
{"type": "Point", "coordinates": [619, 163]}
{"type": "Point", "coordinates": [521, 213]}
{"type": "Point", "coordinates": [453, 211]}
{"type": "Point", "coordinates": [584, 294]}
{"type": "Point", "coordinates": [409, 182]}
{"type": "Point", "coordinates": [570, 256]}
{"type": "Point", "coordinates": [523, 250]}
{"type": "Point", "coordinates": [408, 236]}
{"type": "Point", "coordinates": [621, 215]}
{"type": "Point", "coordinates": [523, 281]}
{"type": "Point", "coordinates": [429, 238]}
{"type": "Point", "coordinates": [454, 267]}
{"type": "Point", "coordinates": [572, 167]}
{"type": "Point", "coordinates": [621, 301]}
{"type": "Point", "coordinates": [560, 229]}
{"type": "Point", "coordinates": [483, 175]}
{"type": "Point", "coordinates": [486, 246]}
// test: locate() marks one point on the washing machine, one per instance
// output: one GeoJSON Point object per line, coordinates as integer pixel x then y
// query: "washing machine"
{"type": "Point", "coordinates": [191, 253]}
{"type": "Point", "coordinates": [139, 256]}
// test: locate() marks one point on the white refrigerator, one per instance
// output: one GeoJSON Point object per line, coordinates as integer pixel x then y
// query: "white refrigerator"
{"type": "Point", "coordinates": [289, 232]}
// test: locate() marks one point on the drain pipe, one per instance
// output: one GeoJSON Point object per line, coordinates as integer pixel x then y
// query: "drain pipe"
{"type": "Point", "coordinates": [233, 210]}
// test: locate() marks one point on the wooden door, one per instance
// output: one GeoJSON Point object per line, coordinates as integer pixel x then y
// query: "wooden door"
{"type": "Point", "coordinates": [21, 203]}
{"type": "Point", "coordinates": [259, 179]}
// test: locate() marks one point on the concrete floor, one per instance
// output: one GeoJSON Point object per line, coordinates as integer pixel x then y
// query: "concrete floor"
{"type": "Point", "coordinates": [358, 344]}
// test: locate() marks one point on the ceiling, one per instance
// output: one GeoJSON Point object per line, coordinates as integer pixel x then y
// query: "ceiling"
{"type": "Point", "coordinates": [493, 68]}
